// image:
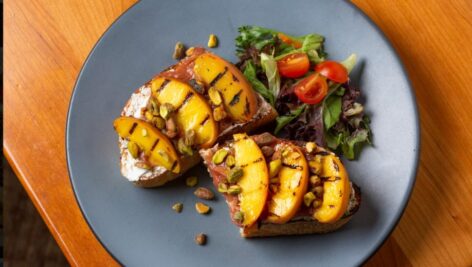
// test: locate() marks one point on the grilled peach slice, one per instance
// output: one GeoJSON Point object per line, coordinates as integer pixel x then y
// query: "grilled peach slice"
{"type": "Point", "coordinates": [156, 145]}
{"type": "Point", "coordinates": [255, 179]}
{"type": "Point", "coordinates": [336, 190]}
{"type": "Point", "coordinates": [238, 97]}
{"type": "Point", "coordinates": [290, 185]}
{"type": "Point", "coordinates": [192, 110]}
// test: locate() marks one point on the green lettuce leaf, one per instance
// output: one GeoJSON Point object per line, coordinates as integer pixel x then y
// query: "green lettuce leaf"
{"type": "Point", "coordinates": [353, 143]}
{"type": "Point", "coordinates": [250, 74]}
{"type": "Point", "coordinates": [311, 44]}
{"type": "Point", "coordinates": [255, 36]}
{"type": "Point", "coordinates": [284, 120]}
{"type": "Point", "coordinates": [269, 65]}
{"type": "Point", "coordinates": [331, 110]}
{"type": "Point", "coordinates": [350, 62]}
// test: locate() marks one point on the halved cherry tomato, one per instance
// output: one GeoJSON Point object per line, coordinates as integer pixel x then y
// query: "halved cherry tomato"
{"type": "Point", "coordinates": [332, 70]}
{"type": "Point", "coordinates": [293, 65]}
{"type": "Point", "coordinates": [312, 89]}
{"type": "Point", "coordinates": [289, 40]}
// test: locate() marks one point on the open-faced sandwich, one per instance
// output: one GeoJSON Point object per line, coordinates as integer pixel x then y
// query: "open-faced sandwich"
{"type": "Point", "coordinates": [191, 105]}
{"type": "Point", "coordinates": [203, 107]}
{"type": "Point", "coordinates": [280, 187]}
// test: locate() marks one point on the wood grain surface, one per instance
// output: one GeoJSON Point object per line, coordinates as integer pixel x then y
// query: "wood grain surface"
{"type": "Point", "coordinates": [46, 43]}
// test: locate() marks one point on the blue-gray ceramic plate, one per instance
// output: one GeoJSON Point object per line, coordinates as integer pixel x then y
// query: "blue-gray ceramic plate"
{"type": "Point", "coordinates": [138, 227]}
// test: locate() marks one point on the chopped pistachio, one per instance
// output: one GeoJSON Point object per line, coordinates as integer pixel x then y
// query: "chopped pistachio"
{"type": "Point", "coordinates": [179, 51]}
{"type": "Point", "coordinates": [166, 110]}
{"type": "Point", "coordinates": [219, 156]}
{"type": "Point", "coordinates": [310, 147]}
{"type": "Point", "coordinates": [133, 149]}
{"type": "Point", "coordinates": [159, 122]}
{"type": "Point", "coordinates": [238, 216]}
{"type": "Point", "coordinates": [274, 167]}
{"type": "Point", "coordinates": [191, 181]}
{"type": "Point", "coordinates": [315, 167]}
{"type": "Point", "coordinates": [189, 51]}
{"type": "Point", "coordinates": [234, 174]}
{"type": "Point", "coordinates": [142, 165]}
{"type": "Point", "coordinates": [285, 152]}
{"type": "Point", "coordinates": [189, 137]}
{"type": "Point", "coordinates": [222, 188]}
{"type": "Point", "coordinates": [178, 207]}
{"type": "Point", "coordinates": [219, 113]}
{"type": "Point", "coordinates": [212, 41]}
{"type": "Point", "coordinates": [204, 193]}
{"type": "Point", "coordinates": [317, 203]}
{"type": "Point", "coordinates": [200, 239]}
{"type": "Point", "coordinates": [315, 180]}
{"type": "Point", "coordinates": [318, 190]}
{"type": "Point", "coordinates": [202, 208]}
{"type": "Point", "coordinates": [215, 96]}
{"type": "Point", "coordinates": [234, 190]}
{"type": "Point", "coordinates": [148, 115]}
{"type": "Point", "coordinates": [183, 148]}
{"type": "Point", "coordinates": [230, 161]}
{"type": "Point", "coordinates": [153, 106]}
{"type": "Point", "coordinates": [308, 198]}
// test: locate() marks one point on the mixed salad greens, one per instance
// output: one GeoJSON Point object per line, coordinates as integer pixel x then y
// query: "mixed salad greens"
{"type": "Point", "coordinates": [313, 96]}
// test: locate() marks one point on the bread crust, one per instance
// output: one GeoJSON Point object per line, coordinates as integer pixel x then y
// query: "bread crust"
{"type": "Point", "coordinates": [159, 178]}
{"type": "Point", "coordinates": [304, 226]}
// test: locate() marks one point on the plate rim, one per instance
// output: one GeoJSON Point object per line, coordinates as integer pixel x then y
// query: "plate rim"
{"type": "Point", "coordinates": [417, 138]}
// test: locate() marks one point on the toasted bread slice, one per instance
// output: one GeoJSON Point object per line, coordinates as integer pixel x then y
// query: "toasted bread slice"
{"type": "Point", "coordinates": [304, 225]}
{"type": "Point", "coordinates": [328, 202]}
{"type": "Point", "coordinates": [139, 102]}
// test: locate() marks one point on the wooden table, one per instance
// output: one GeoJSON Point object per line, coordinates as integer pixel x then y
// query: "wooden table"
{"type": "Point", "coordinates": [46, 43]}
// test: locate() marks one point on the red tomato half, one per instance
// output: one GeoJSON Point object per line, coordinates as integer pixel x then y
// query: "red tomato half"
{"type": "Point", "coordinates": [312, 89]}
{"type": "Point", "coordinates": [294, 65]}
{"type": "Point", "coordinates": [332, 70]}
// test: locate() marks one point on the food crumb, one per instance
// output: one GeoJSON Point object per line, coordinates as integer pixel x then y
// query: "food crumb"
{"type": "Point", "coordinates": [177, 207]}
{"type": "Point", "coordinates": [212, 41]}
{"type": "Point", "coordinates": [204, 193]}
{"type": "Point", "coordinates": [201, 239]}
{"type": "Point", "coordinates": [179, 51]}
{"type": "Point", "coordinates": [191, 181]}
{"type": "Point", "coordinates": [202, 208]}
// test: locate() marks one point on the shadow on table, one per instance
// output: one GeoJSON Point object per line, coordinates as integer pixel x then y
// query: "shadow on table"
{"type": "Point", "coordinates": [27, 241]}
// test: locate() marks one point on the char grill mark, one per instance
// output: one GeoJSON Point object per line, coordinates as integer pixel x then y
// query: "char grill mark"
{"type": "Point", "coordinates": [186, 100]}
{"type": "Point", "coordinates": [174, 164]}
{"type": "Point", "coordinates": [133, 127]}
{"type": "Point", "coordinates": [155, 144]}
{"type": "Point", "coordinates": [218, 77]}
{"type": "Point", "coordinates": [236, 98]}
{"type": "Point", "coordinates": [163, 85]}
{"type": "Point", "coordinates": [246, 107]}
{"type": "Point", "coordinates": [235, 78]}
{"type": "Point", "coordinates": [292, 166]}
{"type": "Point", "coordinates": [205, 120]}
